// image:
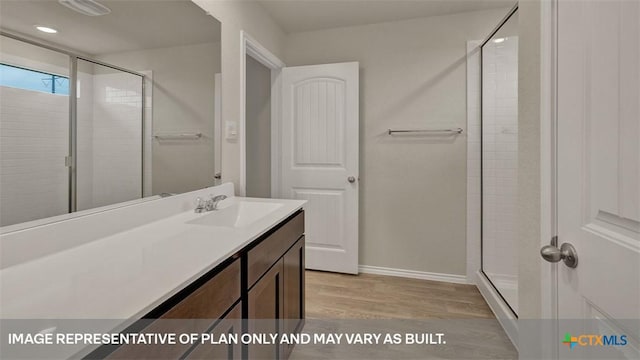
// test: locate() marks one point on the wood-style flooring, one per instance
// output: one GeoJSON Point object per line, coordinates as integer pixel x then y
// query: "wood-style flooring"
{"type": "Point", "coordinates": [367, 296]}
{"type": "Point", "coordinates": [347, 304]}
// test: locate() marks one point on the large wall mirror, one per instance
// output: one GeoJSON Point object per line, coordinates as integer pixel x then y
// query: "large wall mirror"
{"type": "Point", "coordinates": [140, 124]}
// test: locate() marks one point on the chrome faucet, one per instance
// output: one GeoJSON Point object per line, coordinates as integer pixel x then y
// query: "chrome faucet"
{"type": "Point", "coordinates": [212, 204]}
{"type": "Point", "coordinates": [209, 205]}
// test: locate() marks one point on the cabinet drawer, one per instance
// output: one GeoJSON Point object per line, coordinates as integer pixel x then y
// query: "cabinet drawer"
{"type": "Point", "coordinates": [267, 252]}
{"type": "Point", "coordinates": [193, 314]}
{"type": "Point", "coordinates": [211, 300]}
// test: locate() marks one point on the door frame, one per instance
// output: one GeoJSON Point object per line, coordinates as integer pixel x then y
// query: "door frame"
{"type": "Point", "coordinates": [548, 170]}
{"type": "Point", "coordinates": [251, 47]}
{"type": "Point", "coordinates": [217, 128]}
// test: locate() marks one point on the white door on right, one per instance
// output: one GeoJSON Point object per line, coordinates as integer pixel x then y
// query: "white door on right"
{"type": "Point", "coordinates": [320, 134]}
{"type": "Point", "coordinates": [599, 177]}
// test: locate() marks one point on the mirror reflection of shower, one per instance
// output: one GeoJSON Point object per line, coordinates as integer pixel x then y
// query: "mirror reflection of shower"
{"type": "Point", "coordinates": [109, 136]}
{"type": "Point", "coordinates": [500, 160]}
{"type": "Point", "coordinates": [40, 177]}
{"type": "Point", "coordinates": [144, 99]}
{"type": "Point", "coordinates": [34, 132]}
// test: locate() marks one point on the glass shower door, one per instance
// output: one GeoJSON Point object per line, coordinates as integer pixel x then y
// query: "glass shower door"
{"type": "Point", "coordinates": [500, 160]}
{"type": "Point", "coordinates": [109, 136]}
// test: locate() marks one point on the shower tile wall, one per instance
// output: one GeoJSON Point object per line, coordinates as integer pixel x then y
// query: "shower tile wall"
{"type": "Point", "coordinates": [34, 133]}
{"type": "Point", "coordinates": [109, 153]}
{"type": "Point", "coordinates": [34, 140]}
{"type": "Point", "coordinates": [500, 163]}
{"type": "Point", "coordinates": [117, 139]}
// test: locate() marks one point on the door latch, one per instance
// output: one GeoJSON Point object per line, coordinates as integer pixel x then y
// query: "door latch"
{"type": "Point", "coordinates": [68, 161]}
{"type": "Point", "coordinates": [566, 253]}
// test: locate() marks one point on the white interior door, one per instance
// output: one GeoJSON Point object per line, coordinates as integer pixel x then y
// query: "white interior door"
{"type": "Point", "coordinates": [599, 177]}
{"type": "Point", "coordinates": [320, 159]}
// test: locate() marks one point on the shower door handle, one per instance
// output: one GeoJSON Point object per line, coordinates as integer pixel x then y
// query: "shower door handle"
{"type": "Point", "coordinates": [566, 253]}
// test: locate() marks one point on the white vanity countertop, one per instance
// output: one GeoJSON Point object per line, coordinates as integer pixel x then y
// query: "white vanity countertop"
{"type": "Point", "coordinates": [128, 274]}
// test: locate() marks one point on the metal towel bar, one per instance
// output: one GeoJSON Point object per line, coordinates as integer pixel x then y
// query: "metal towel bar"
{"type": "Point", "coordinates": [184, 136]}
{"type": "Point", "coordinates": [453, 131]}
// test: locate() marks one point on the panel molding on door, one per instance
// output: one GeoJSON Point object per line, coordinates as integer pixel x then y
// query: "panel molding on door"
{"type": "Point", "coordinates": [320, 144]}
{"type": "Point", "coordinates": [599, 169]}
{"type": "Point", "coordinates": [319, 124]}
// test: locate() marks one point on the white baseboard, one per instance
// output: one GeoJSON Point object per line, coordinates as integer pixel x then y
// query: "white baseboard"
{"type": "Point", "coordinates": [507, 319]}
{"type": "Point", "coordinates": [412, 274]}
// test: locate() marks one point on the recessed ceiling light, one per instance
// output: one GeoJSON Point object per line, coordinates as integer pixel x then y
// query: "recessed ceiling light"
{"type": "Point", "coordinates": [498, 40]}
{"type": "Point", "coordinates": [86, 7]}
{"type": "Point", "coordinates": [46, 29]}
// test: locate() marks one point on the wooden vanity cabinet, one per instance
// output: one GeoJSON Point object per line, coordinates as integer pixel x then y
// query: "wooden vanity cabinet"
{"type": "Point", "coordinates": [211, 300]}
{"type": "Point", "coordinates": [275, 300]}
{"type": "Point", "coordinates": [265, 308]}
{"type": "Point", "coordinates": [208, 299]}
{"type": "Point", "coordinates": [262, 282]}
{"type": "Point", "coordinates": [268, 251]}
{"type": "Point", "coordinates": [293, 312]}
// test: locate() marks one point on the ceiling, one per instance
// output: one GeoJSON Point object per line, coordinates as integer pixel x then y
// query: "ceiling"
{"type": "Point", "coordinates": [308, 15]}
{"type": "Point", "coordinates": [147, 24]}
{"type": "Point", "coordinates": [131, 25]}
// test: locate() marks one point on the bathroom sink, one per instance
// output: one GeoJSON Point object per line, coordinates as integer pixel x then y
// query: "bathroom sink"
{"type": "Point", "coordinates": [237, 215]}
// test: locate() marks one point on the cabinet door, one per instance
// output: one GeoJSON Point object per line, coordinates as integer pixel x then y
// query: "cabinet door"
{"type": "Point", "coordinates": [193, 314]}
{"type": "Point", "coordinates": [293, 290]}
{"type": "Point", "coordinates": [230, 324]}
{"type": "Point", "coordinates": [265, 310]}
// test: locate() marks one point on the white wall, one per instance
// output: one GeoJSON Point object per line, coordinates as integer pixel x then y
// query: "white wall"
{"type": "Point", "coordinates": [529, 185]}
{"type": "Point", "coordinates": [533, 335]}
{"type": "Point", "coordinates": [236, 16]}
{"type": "Point", "coordinates": [183, 93]}
{"type": "Point", "coordinates": [413, 189]}
{"type": "Point", "coordinates": [18, 53]}
{"type": "Point", "coordinates": [258, 129]}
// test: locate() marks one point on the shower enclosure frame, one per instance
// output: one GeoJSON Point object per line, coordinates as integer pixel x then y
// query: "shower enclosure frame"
{"type": "Point", "coordinates": [502, 22]}
{"type": "Point", "coordinates": [71, 159]}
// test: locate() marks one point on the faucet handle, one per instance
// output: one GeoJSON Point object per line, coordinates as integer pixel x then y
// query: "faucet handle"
{"type": "Point", "coordinates": [199, 205]}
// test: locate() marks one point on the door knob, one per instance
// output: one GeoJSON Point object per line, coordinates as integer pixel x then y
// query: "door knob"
{"type": "Point", "coordinates": [567, 253]}
{"type": "Point", "coordinates": [351, 179]}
